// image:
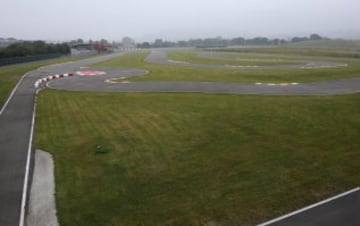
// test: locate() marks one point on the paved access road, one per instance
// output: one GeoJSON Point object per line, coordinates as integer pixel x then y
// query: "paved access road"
{"type": "Point", "coordinates": [16, 117]}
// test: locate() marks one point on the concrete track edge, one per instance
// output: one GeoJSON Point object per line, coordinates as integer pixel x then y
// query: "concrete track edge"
{"type": "Point", "coordinates": [27, 169]}
{"type": "Point", "coordinates": [41, 203]}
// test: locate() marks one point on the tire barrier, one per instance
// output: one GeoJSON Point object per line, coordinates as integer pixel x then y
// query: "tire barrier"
{"type": "Point", "coordinates": [41, 81]}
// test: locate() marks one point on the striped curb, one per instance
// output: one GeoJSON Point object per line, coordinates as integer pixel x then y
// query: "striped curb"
{"type": "Point", "coordinates": [49, 78]}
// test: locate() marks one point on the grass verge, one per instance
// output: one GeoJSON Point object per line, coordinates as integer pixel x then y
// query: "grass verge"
{"type": "Point", "coordinates": [195, 159]}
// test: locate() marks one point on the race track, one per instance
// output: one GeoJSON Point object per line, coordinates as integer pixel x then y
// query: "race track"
{"type": "Point", "coordinates": [97, 83]}
{"type": "Point", "coordinates": [16, 117]}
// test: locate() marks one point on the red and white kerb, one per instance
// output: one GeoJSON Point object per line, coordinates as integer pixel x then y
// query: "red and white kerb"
{"type": "Point", "coordinates": [50, 77]}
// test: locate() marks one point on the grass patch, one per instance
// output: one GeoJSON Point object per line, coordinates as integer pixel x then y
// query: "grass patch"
{"type": "Point", "coordinates": [280, 57]}
{"type": "Point", "coordinates": [178, 73]}
{"type": "Point", "coordinates": [193, 57]}
{"type": "Point", "coordinates": [100, 149]}
{"type": "Point", "coordinates": [10, 75]}
{"type": "Point", "coordinates": [192, 159]}
{"type": "Point", "coordinates": [302, 51]}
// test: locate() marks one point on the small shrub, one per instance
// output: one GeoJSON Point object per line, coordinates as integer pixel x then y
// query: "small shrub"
{"type": "Point", "coordinates": [101, 149]}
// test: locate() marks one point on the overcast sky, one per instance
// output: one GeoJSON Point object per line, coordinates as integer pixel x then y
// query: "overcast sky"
{"type": "Point", "coordinates": [177, 19]}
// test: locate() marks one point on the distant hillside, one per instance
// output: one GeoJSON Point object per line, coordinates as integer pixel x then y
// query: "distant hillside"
{"type": "Point", "coordinates": [353, 45]}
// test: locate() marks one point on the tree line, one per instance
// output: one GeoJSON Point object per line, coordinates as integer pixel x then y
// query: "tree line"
{"type": "Point", "coordinates": [33, 48]}
{"type": "Point", "coordinates": [221, 42]}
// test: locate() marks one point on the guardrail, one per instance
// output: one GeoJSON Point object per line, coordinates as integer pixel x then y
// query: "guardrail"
{"type": "Point", "coordinates": [19, 60]}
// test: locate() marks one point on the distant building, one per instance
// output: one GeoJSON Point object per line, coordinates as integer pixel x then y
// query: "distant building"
{"type": "Point", "coordinates": [128, 43]}
{"type": "Point", "coordinates": [82, 50]}
{"type": "Point", "coordinates": [90, 48]}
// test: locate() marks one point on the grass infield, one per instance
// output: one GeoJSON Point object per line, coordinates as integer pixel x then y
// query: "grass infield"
{"type": "Point", "coordinates": [235, 60]}
{"type": "Point", "coordinates": [178, 73]}
{"type": "Point", "coordinates": [195, 159]}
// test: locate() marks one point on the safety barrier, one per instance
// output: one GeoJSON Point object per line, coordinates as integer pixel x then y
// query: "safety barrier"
{"type": "Point", "coordinates": [19, 60]}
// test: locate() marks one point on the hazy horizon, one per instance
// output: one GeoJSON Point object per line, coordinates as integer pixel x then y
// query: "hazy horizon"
{"type": "Point", "coordinates": [177, 20]}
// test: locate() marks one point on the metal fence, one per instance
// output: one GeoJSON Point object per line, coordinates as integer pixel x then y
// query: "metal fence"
{"type": "Point", "coordinates": [19, 60]}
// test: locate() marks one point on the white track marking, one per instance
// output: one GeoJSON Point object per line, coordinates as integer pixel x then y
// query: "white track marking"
{"type": "Point", "coordinates": [277, 84]}
{"type": "Point", "coordinates": [27, 168]}
{"type": "Point", "coordinates": [177, 62]}
{"type": "Point", "coordinates": [111, 80]}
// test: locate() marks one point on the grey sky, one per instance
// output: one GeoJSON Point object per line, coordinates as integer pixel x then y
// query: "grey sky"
{"type": "Point", "coordinates": [177, 19]}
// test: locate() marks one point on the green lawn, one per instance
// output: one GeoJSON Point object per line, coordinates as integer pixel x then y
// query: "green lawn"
{"type": "Point", "coordinates": [195, 159]}
{"type": "Point", "coordinates": [299, 49]}
{"type": "Point", "coordinates": [280, 56]}
{"type": "Point", "coordinates": [10, 75]}
{"type": "Point", "coordinates": [178, 73]}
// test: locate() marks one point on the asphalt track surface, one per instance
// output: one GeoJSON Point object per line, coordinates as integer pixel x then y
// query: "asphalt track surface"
{"type": "Point", "coordinates": [338, 211]}
{"type": "Point", "coordinates": [96, 83]}
{"type": "Point", "coordinates": [16, 117]}
{"type": "Point", "coordinates": [15, 135]}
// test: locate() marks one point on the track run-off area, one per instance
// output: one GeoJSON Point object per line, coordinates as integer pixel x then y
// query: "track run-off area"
{"type": "Point", "coordinates": [17, 117]}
